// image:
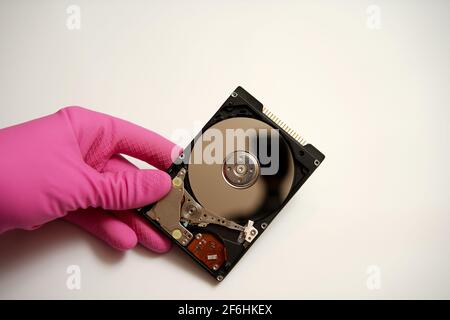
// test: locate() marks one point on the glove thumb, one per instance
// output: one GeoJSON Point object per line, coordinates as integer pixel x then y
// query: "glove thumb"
{"type": "Point", "coordinates": [132, 188]}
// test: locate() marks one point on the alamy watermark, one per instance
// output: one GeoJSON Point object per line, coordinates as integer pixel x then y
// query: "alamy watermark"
{"type": "Point", "coordinates": [215, 146]}
{"type": "Point", "coordinates": [373, 21]}
{"type": "Point", "coordinates": [373, 281]}
{"type": "Point", "coordinates": [73, 21]}
{"type": "Point", "coordinates": [73, 281]}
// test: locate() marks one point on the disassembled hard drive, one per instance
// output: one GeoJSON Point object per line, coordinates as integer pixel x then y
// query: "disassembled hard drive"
{"type": "Point", "coordinates": [231, 182]}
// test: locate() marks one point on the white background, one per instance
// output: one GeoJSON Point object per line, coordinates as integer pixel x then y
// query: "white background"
{"type": "Point", "coordinates": [375, 101]}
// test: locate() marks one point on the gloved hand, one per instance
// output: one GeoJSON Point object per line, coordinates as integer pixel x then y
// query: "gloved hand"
{"type": "Point", "coordinates": [69, 165]}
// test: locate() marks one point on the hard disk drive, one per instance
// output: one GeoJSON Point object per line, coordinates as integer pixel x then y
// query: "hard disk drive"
{"type": "Point", "coordinates": [230, 183]}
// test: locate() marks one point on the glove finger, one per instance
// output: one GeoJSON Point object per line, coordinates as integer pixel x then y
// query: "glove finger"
{"type": "Point", "coordinates": [125, 190]}
{"type": "Point", "coordinates": [100, 136]}
{"type": "Point", "coordinates": [118, 163]}
{"type": "Point", "coordinates": [147, 235]}
{"type": "Point", "coordinates": [105, 227]}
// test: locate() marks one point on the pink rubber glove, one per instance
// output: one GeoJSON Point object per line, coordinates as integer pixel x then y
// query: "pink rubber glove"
{"type": "Point", "coordinates": [68, 165]}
